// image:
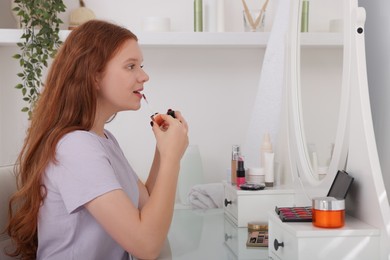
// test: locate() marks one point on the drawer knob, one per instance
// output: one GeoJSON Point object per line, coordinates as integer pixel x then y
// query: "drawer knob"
{"type": "Point", "coordinates": [227, 237]}
{"type": "Point", "coordinates": [277, 244]}
{"type": "Point", "coordinates": [227, 202]}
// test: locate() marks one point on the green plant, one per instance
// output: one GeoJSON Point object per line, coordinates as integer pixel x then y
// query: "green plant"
{"type": "Point", "coordinates": [40, 41]}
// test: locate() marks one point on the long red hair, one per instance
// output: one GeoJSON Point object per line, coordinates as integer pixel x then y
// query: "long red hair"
{"type": "Point", "coordinates": [67, 103]}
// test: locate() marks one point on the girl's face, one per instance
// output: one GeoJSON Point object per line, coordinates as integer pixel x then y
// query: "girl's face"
{"type": "Point", "coordinates": [121, 84]}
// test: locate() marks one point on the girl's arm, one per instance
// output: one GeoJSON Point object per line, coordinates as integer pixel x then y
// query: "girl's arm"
{"type": "Point", "coordinates": [143, 231]}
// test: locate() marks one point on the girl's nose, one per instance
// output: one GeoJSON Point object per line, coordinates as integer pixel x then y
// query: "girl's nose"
{"type": "Point", "coordinates": [144, 76]}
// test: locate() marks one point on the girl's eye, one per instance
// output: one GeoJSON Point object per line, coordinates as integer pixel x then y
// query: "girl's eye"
{"type": "Point", "coordinates": [132, 66]}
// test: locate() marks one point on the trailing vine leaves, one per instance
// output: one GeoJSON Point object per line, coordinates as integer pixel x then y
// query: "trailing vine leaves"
{"type": "Point", "coordinates": [40, 41]}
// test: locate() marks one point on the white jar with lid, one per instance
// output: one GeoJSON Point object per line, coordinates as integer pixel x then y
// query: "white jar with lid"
{"type": "Point", "coordinates": [256, 176]}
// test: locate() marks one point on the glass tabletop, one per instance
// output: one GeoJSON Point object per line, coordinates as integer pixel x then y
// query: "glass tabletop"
{"type": "Point", "coordinates": [207, 234]}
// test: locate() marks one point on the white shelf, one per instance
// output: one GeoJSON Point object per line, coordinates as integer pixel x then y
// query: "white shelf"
{"type": "Point", "coordinates": [204, 39]}
{"type": "Point", "coordinates": [352, 227]}
{"type": "Point", "coordinates": [9, 37]}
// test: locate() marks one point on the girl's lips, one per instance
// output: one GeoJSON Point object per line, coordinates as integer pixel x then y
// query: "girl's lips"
{"type": "Point", "coordinates": [138, 93]}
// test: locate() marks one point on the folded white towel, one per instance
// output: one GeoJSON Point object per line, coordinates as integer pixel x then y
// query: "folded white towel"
{"type": "Point", "coordinates": [206, 196]}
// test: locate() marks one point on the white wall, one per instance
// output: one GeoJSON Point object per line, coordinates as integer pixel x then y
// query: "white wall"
{"type": "Point", "coordinates": [6, 18]}
{"type": "Point", "coordinates": [377, 34]}
{"type": "Point", "coordinates": [214, 88]}
{"type": "Point", "coordinates": [13, 122]}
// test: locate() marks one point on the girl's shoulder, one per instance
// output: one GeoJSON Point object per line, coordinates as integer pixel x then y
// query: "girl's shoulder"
{"type": "Point", "coordinates": [82, 138]}
{"type": "Point", "coordinates": [78, 139]}
{"type": "Point", "coordinates": [79, 135]}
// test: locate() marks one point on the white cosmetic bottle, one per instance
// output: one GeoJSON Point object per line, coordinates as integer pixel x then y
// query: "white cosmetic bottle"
{"type": "Point", "coordinates": [266, 147]}
{"type": "Point", "coordinates": [269, 169]}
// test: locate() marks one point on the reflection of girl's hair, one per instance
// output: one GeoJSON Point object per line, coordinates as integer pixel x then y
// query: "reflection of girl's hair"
{"type": "Point", "coordinates": [67, 103]}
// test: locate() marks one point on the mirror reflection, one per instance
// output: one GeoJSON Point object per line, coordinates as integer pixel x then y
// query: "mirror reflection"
{"type": "Point", "coordinates": [320, 80]}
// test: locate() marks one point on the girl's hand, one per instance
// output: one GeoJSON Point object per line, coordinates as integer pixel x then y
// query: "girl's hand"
{"type": "Point", "coordinates": [171, 136]}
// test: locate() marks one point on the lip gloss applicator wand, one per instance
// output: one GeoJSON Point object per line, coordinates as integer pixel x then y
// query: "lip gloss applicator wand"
{"type": "Point", "coordinates": [155, 115]}
{"type": "Point", "coordinates": [148, 105]}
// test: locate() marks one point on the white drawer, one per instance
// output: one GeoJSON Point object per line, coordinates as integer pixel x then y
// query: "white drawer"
{"type": "Point", "coordinates": [356, 240]}
{"type": "Point", "coordinates": [231, 203]}
{"type": "Point", "coordinates": [281, 244]}
{"type": "Point", "coordinates": [249, 206]}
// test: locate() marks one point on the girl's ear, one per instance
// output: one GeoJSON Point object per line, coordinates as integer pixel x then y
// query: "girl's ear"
{"type": "Point", "coordinates": [97, 80]}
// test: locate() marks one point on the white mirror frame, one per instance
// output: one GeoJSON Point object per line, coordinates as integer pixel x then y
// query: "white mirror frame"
{"type": "Point", "coordinates": [302, 167]}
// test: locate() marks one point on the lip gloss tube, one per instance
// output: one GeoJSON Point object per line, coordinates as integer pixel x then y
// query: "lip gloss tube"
{"type": "Point", "coordinates": [240, 172]}
{"type": "Point", "coordinates": [158, 119]}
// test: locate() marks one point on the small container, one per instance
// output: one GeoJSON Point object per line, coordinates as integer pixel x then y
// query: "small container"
{"type": "Point", "coordinates": [257, 235]}
{"type": "Point", "coordinates": [254, 20]}
{"type": "Point", "coordinates": [328, 212]}
{"type": "Point", "coordinates": [256, 176]}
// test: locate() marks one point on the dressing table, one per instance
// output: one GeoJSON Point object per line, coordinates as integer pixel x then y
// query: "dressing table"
{"type": "Point", "coordinates": [349, 135]}
{"type": "Point", "coordinates": [338, 118]}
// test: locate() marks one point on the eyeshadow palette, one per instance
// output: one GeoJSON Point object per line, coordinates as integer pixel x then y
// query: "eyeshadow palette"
{"type": "Point", "coordinates": [294, 214]}
{"type": "Point", "coordinates": [257, 239]}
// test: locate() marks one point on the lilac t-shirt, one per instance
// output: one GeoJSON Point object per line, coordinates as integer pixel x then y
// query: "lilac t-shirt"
{"type": "Point", "coordinates": [88, 166]}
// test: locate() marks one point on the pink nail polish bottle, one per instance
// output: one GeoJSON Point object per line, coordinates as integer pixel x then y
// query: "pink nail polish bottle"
{"type": "Point", "coordinates": [240, 172]}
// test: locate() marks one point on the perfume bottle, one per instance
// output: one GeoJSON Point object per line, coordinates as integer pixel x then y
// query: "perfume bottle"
{"type": "Point", "coordinates": [235, 156]}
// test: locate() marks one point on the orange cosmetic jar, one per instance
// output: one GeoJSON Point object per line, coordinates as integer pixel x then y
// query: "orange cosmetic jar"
{"type": "Point", "coordinates": [328, 212]}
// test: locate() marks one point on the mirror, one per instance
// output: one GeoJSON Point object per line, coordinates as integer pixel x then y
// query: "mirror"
{"type": "Point", "coordinates": [354, 145]}
{"type": "Point", "coordinates": [319, 79]}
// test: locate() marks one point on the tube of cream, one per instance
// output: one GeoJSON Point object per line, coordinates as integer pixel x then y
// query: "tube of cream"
{"type": "Point", "coordinates": [269, 169]}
